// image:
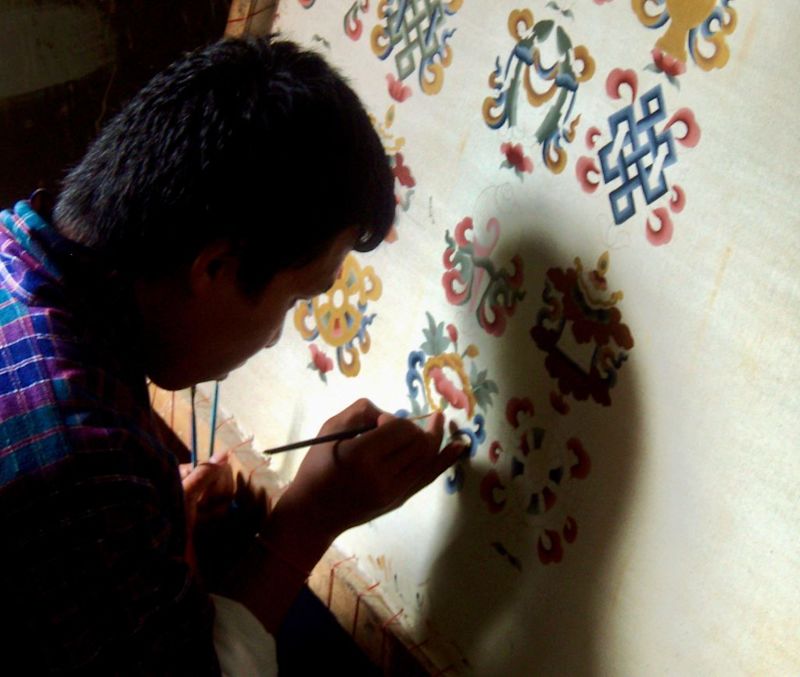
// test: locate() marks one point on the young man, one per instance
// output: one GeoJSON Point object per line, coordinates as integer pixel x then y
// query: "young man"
{"type": "Point", "coordinates": [230, 187]}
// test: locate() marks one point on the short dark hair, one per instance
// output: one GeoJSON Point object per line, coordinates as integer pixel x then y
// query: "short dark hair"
{"type": "Point", "coordinates": [254, 140]}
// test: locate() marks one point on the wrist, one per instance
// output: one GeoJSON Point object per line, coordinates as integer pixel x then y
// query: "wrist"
{"type": "Point", "coordinates": [297, 534]}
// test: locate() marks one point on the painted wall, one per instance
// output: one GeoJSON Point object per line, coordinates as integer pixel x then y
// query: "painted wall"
{"type": "Point", "coordinates": [594, 274]}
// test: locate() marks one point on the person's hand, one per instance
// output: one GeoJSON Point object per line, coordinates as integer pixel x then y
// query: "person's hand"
{"type": "Point", "coordinates": [345, 483]}
{"type": "Point", "coordinates": [208, 490]}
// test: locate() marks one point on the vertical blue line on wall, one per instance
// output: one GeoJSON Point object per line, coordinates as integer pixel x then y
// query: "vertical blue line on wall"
{"type": "Point", "coordinates": [192, 392]}
{"type": "Point", "coordinates": [214, 406]}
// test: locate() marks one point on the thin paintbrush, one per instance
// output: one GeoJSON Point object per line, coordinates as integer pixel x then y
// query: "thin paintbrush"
{"type": "Point", "coordinates": [333, 437]}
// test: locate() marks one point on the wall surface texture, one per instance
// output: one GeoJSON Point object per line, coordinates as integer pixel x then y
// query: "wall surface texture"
{"type": "Point", "coordinates": [593, 272]}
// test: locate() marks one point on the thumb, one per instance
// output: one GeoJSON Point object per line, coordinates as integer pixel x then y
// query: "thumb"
{"type": "Point", "coordinates": [448, 456]}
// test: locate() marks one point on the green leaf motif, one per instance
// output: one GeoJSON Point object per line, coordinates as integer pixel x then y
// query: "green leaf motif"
{"type": "Point", "coordinates": [436, 342]}
{"type": "Point", "coordinates": [563, 41]}
{"type": "Point", "coordinates": [482, 388]}
{"type": "Point", "coordinates": [322, 375]}
{"type": "Point", "coordinates": [542, 30]}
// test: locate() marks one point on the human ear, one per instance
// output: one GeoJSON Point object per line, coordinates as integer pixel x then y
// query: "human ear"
{"type": "Point", "coordinates": [214, 262]}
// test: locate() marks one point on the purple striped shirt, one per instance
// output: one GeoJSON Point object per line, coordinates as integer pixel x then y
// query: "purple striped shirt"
{"type": "Point", "coordinates": [92, 528]}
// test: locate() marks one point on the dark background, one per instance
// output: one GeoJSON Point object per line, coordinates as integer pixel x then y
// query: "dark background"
{"type": "Point", "coordinates": [43, 132]}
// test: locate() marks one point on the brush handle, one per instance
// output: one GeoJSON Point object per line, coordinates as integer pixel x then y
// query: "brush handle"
{"type": "Point", "coordinates": [333, 437]}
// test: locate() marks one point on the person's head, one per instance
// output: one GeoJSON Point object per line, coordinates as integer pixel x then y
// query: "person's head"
{"type": "Point", "coordinates": [231, 185]}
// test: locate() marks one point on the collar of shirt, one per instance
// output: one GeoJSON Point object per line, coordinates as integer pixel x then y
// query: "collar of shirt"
{"type": "Point", "coordinates": [37, 262]}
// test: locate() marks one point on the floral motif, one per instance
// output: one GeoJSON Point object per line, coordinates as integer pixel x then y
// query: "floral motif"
{"type": "Point", "coordinates": [524, 71]}
{"type": "Point", "coordinates": [339, 316]}
{"type": "Point", "coordinates": [404, 179]}
{"type": "Point", "coordinates": [581, 330]}
{"type": "Point", "coordinates": [668, 64]}
{"type": "Point", "coordinates": [692, 27]}
{"type": "Point", "coordinates": [397, 90]}
{"type": "Point", "coordinates": [468, 264]}
{"type": "Point", "coordinates": [516, 159]}
{"type": "Point", "coordinates": [438, 379]}
{"type": "Point", "coordinates": [535, 479]}
{"type": "Point", "coordinates": [320, 362]}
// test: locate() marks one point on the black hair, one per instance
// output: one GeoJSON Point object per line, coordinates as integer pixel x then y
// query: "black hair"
{"type": "Point", "coordinates": [257, 141]}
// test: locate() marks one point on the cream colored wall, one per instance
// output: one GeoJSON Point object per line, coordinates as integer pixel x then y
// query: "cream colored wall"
{"type": "Point", "coordinates": [687, 554]}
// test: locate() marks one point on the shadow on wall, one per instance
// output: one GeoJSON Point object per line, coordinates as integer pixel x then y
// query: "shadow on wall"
{"type": "Point", "coordinates": [524, 582]}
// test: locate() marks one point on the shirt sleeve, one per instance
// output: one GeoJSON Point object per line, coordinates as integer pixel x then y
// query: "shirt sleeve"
{"type": "Point", "coordinates": [93, 573]}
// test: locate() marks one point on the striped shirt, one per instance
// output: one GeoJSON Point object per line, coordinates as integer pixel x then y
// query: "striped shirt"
{"type": "Point", "coordinates": [92, 528]}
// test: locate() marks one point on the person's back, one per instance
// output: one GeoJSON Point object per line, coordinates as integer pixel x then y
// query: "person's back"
{"type": "Point", "coordinates": [89, 495]}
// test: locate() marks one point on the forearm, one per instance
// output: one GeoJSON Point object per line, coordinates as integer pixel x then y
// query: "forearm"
{"type": "Point", "coordinates": [275, 568]}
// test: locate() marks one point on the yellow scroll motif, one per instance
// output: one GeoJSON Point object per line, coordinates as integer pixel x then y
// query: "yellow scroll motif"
{"type": "Point", "coordinates": [573, 67]}
{"type": "Point", "coordinates": [454, 362]}
{"type": "Point", "coordinates": [339, 314]}
{"type": "Point", "coordinates": [685, 16]}
{"type": "Point", "coordinates": [391, 143]}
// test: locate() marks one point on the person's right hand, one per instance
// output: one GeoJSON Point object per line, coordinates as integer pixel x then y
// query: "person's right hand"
{"type": "Point", "coordinates": [345, 483]}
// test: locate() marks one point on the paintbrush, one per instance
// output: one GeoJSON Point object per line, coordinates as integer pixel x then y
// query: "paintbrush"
{"type": "Point", "coordinates": [333, 437]}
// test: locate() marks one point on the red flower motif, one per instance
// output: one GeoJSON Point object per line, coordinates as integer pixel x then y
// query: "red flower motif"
{"type": "Point", "coordinates": [691, 136]}
{"type": "Point", "coordinates": [666, 63]}
{"type": "Point", "coordinates": [445, 387]}
{"type": "Point", "coordinates": [583, 464]}
{"type": "Point", "coordinates": [570, 530]}
{"type": "Point", "coordinates": [678, 199]}
{"type": "Point", "coordinates": [516, 158]}
{"type": "Point", "coordinates": [588, 174]}
{"type": "Point", "coordinates": [489, 483]}
{"type": "Point", "coordinates": [517, 406]}
{"type": "Point", "coordinates": [402, 173]}
{"type": "Point", "coordinates": [661, 233]}
{"type": "Point", "coordinates": [591, 137]}
{"type": "Point", "coordinates": [452, 332]}
{"type": "Point", "coordinates": [618, 77]}
{"type": "Point", "coordinates": [558, 403]}
{"type": "Point", "coordinates": [397, 90]}
{"type": "Point", "coordinates": [549, 547]}
{"type": "Point", "coordinates": [320, 360]}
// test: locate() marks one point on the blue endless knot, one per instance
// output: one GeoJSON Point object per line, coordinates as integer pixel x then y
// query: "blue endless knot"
{"type": "Point", "coordinates": [415, 26]}
{"type": "Point", "coordinates": [637, 154]}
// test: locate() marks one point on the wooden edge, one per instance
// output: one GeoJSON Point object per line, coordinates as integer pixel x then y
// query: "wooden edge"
{"type": "Point", "coordinates": [251, 17]}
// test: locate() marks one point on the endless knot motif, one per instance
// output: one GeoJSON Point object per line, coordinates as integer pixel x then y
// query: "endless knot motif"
{"type": "Point", "coordinates": [638, 154]}
{"type": "Point", "coordinates": [416, 26]}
